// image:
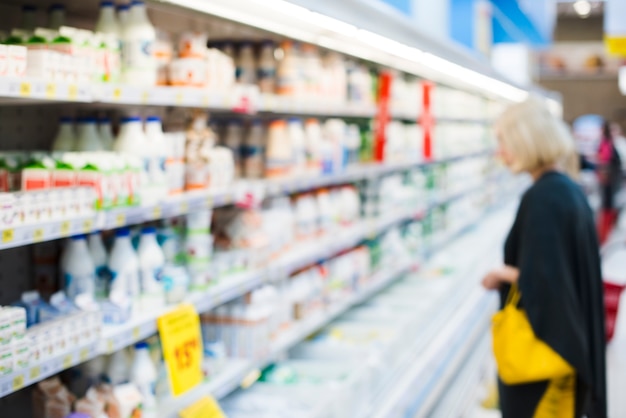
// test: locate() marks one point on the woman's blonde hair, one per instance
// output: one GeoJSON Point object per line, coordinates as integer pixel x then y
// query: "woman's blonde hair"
{"type": "Point", "coordinates": [536, 138]}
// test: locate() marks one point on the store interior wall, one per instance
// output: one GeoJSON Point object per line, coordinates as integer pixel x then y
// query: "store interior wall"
{"type": "Point", "coordinates": [598, 96]}
{"type": "Point", "coordinates": [586, 94]}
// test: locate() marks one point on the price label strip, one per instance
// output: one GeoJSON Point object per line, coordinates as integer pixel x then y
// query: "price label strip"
{"type": "Point", "coordinates": [205, 407]}
{"type": "Point", "coordinates": [182, 347]}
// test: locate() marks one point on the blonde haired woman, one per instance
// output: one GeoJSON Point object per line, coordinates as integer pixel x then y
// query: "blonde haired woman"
{"type": "Point", "coordinates": [552, 255]}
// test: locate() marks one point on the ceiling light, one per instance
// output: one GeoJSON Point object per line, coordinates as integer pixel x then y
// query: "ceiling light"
{"type": "Point", "coordinates": [582, 8]}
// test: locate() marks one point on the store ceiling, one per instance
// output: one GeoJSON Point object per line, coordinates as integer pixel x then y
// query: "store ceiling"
{"type": "Point", "coordinates": [567, 9]}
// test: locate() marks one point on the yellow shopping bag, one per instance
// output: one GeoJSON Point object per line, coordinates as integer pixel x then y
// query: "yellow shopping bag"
{"type": "Point", "coordinates": [521, 356]}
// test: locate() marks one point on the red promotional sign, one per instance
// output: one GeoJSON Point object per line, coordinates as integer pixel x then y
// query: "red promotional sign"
{"type": "Point", "coordinates": [382, 116]}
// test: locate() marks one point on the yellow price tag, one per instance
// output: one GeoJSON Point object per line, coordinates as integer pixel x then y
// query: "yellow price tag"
{"type": "Point", "coordinates": [38, 235]}
{"type": "Point", "coordinates": [87, 225]}
{"type": "Point", "coordinates": [8, 236]}
{"type": "Point", "coordinates": [184, 207]}
{"type": "Point", "coordinates": [136, 333]}
{"type": "Point", "coordinates": [209, 201]}
{"type": "Point", "coordinates": [25, 89]}
{"type": "Point", "coordinates": [179, 98]}
{"type": "Point", "coordinates": [145, 96]}
{"type": "Point", "coordinates": [65, 228]}
{"type": "Point", "coordinates": [67, 361]}
{"type": "Point", "coordinates": [18, 382]}
{"type": "Point", "coordinates": [250, 379]}
{"type": "Point", "coordinates": [205, 407]}
{"type": "Point", "coordinates": [35, 372]}
{"type": "Point", "coordinates": [117, 93]}
{"type": "Point", "coordinates": [72, 91]}
{"type": "Point", "coordinates": [84, 355]}
{"type": "Point", "coordinates": [110, 346]}
{"type": "Point", "coordinates": [156, 212]}
{"type": "Point", "coordinates": [51, 90]}
{"type": "Point", "coordinates": [182, 347]}
{"type": "Point", "coordinates": [120, 219]}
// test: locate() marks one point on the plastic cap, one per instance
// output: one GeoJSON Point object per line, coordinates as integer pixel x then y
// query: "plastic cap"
{"type": "Point", "coordinates": [141, 346]}
{"type": "Point", "coordinates": [257, 122]}
{"type": "Point", "coordinates": [56, 6]}
{"type": "Point", "coordinates": [295, 120]}
{"type": "Point", "coordinates": [79, 237]}
{"type": "Point", "coordinates": [66, 119]}
{"type": "Point", "coordinates": [131, 119]}
{"type": "Point", "coordinates": [123, 232]}
{"type": "Point", "coordinates": [148, 230]}
{"type": "Point", "coordinates": [136, 3]}
{"type": "Point", "coordinates": [104, 120]}
{"type": "Point", "coordinates": [122, 7]}
{"type": "Point", "coordinates": [153, 119]}
{"type": "Point", "coordinates": [107, 4]}
{"type": "Point", "coordinates": [87, 120]}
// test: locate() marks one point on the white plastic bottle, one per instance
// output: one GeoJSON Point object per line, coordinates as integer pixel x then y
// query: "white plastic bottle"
{"type": "Point", "coordinates": [123, 11]}
{"type": "Point", "coordinates": [246, 65]}
{"type": "Point", "coordinates": [56, 15]}
{"type": "Point", "coordinates": [266, 68]}
{"type": "Point", "coordinates": [117, 371]}
{"type": "Point", "coordinates": [124, 269]}
{"type": "Point", "coordinates": [99, 257]}
{"type": "Point", "coordinates": [77, 269]}
{"type": "Point", "coordinates": [298, 142]}
{"type": "Point", "coordinates": [88, 137]}
{"type": "Point", "coordinates": [106, 134]}
{"type": "Point", "coordinates": [65, 139]}
{"type": "Point", "coordinates": [151, 263]}
{"type": "Point", "coordinates": [132, 141]}
{"type": "Point", "coordinates": [158, 150]}
{"type": "Point", "coordinates": [139, 66]}
{"type": "Point", "coordinates": [143, 374]}
{"type": "Point", "coordinates": [107, 21]}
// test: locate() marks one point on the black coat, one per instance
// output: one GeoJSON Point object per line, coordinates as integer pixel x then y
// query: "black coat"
{"type": "Point", "coordinates": [554, 245]}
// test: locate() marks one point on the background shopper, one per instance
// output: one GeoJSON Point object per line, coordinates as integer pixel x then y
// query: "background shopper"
{"type": "Point", "coordinates": [610, 178]}
{"type": "Point", "coordinates": [552, 255]}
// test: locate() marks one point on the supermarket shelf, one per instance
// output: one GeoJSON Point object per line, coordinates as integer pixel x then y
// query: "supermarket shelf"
{"type": "Point", "coordinates": [271, 103]}
{"type": "Point", "coordinates": [236, 372]}
{"type": "Point", "coordinates": [26, 89]}
{"type": "Point", "coordinates": [35, 373]}
{"type": "Point", "coordinates": [139, 328]}
{"type": "Point", "coordinates": [197, 200]}
{"type": "Point", "coordinates": [236, 100]}
{"type": "Point", "coordinates": [126, 94]}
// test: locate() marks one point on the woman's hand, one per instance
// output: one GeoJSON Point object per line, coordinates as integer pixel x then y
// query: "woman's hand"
{"type": "Point", "coordinates": [492, 280]}
{"type": "Point", "coordinates": [504, 274]}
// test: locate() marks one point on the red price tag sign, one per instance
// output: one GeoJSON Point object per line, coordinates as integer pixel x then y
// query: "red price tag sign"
{"type": "Point", "coordinates": [182, 347]}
